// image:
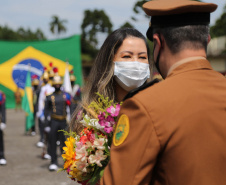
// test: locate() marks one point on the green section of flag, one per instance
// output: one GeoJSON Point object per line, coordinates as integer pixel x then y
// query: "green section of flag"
{"type": "Point", "coordinates": [27, 104]}
{"type": "Point", "coordinates": [10, 103]}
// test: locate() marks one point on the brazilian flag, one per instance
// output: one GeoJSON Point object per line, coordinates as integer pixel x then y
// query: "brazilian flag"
{"type": "Point", "coordinates": [16, 57]}
{"type": "Point", "coordinates": [27, 103]}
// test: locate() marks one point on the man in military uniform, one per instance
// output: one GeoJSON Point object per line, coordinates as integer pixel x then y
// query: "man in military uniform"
{"type": "Point", "coordinates": [2, 127]}
{"type": "Point", "coordinates": [174, 132]}
{"type": "Point", "coordinates": [55, 108]}
{"type": "Point", "coordinates": [46, 89]}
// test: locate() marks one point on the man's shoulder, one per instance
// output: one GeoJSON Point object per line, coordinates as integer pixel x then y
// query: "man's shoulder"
{"type": "Point", "coordinates": [48, 96]}
{"type": "Point", "coordinates": [47, 89]}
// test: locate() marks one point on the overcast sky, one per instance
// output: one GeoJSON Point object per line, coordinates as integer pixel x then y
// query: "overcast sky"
{"type": "Point", "coordinates": [35, 14]}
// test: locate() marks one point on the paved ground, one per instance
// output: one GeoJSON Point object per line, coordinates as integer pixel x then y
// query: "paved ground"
{"type": "Point", "coordinates": [25, 165]}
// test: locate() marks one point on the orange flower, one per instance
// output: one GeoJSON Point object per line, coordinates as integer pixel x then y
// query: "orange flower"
{"type": "Point", "coordinates": [69, 155]}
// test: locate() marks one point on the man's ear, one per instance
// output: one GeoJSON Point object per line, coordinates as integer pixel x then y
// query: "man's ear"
{"type": "Point", "coordinates": [157, 41]}
{"type": "Point", "coordinates": [209, 39]}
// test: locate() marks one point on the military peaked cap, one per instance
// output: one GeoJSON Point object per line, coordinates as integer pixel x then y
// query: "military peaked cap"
{"type": "Point", "coordinates": [166, 13]}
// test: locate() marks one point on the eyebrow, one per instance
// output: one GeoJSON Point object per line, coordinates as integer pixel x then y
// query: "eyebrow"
{"type": "Point", "coordinates": [132, 52]}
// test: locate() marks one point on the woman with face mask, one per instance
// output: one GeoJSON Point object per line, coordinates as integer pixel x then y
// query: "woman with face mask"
{"type": "Point", "coordinates": [122, 64]}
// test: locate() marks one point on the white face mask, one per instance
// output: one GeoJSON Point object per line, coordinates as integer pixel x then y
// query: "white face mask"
{"type": "Point", "coordinates": [130, 75]}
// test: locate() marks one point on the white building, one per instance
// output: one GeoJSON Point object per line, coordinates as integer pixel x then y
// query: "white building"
{"type": "Point", "coordinates": [216, 54]}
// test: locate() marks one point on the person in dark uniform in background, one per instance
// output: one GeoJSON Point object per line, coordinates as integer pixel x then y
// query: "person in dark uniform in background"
{"type": "Point", "coordinates": [76, 94]}
{"type": "Point", "coordinates": [45, 90]}
{"type": "Point", "coordinates": [2, 127]}
{"type": "Point", "coordinates": [36, 91]}
{"type": "Point", "coordinates": [55, 116]}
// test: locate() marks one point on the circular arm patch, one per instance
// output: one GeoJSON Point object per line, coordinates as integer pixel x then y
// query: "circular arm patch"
{"type": "Point", "coordinates": [121, 131]}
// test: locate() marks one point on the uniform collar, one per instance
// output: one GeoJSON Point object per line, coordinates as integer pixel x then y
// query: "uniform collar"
{"type": "Point", "coordinates": [188, 64]}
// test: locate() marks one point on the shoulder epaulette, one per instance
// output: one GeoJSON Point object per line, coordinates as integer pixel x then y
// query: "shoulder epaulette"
{"type": "Point", "coordinates": [135, 91]}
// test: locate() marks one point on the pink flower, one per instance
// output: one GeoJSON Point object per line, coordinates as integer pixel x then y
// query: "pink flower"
{"type": "Point", "coordinates": [108, 122]}
{"type": "Point", "coordinates": [92, 137]}
{"type": "Point", "coordinates": [68, 170]}
{"type": "Point", "coordinates": [114, 111]}
{"type": "Point", "coordinates": [108, 129]}
{"type": "Point", "coordinates": [101, 118]}
{"type": "Point", "coordinates": [79, 145]}
{"type": "Point", "coordinates": [110, 119]}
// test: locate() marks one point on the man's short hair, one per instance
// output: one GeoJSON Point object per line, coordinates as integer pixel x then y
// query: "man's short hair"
{"type": "Point", "coordinates": [185, 37]}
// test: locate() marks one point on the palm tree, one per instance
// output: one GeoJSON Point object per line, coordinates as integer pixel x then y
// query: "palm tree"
{"type": "Point", "coordinates": [57, 25]}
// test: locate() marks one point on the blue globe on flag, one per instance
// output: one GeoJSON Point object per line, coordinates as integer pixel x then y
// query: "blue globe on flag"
{"type": "Point", "coordinates": [20, 71]}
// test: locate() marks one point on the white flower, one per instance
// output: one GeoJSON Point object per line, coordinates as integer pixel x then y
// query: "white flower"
{"type": "Point", "coordinates": [85, 121]}
{"type": "Point", "coordinates": [88, 122]}
{"type": "Point", "coordinates": [81, 153]}
{"type": "Point", "coordinates": [97, 158]}
{"type": "Point", "coordinates": [99, 143]}
{"type": "Point", "coordinates": [95, 123]}
{"type": "Point", "coordinates": [88, 144]}
{"type": "Point", "coordinates": [81, 165]}
{"type": "Point", "coordinates": [77, 138]}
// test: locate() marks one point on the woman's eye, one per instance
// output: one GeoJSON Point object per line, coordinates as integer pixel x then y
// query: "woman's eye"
{"type": "Point", "coordinates": [143, 57]}
{"type": "Point", "coordinates": [126, 56]}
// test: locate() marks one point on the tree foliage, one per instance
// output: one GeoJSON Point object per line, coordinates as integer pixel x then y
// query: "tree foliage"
{"type": "Point", "coordinates": [127, 25]}
{"type": "Point", "coordinates": [219, 29]}
{"type": "Point", "coordinates": [57, 26]}
{"type": "Point", "coordinates": [21, 34]}
{"type": "Point", "coordinates": [94, 22]}
{"type": "Point", "coordinates": [137, 8]}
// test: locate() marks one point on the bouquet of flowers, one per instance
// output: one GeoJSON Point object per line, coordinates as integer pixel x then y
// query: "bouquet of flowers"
{"type": "Point", "coordinates": [86, 154]}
